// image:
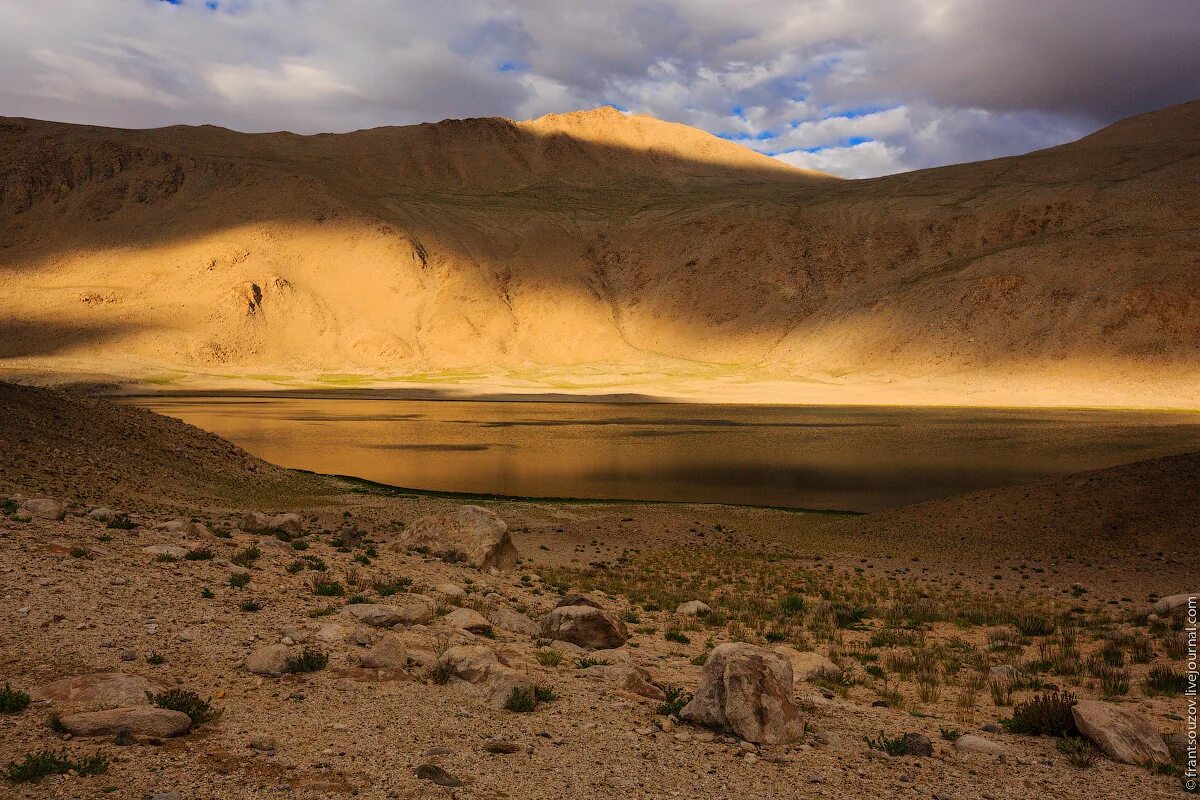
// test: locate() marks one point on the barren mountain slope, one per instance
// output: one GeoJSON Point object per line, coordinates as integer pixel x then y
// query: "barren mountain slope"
{"type": "Point", "coordinates": [596, 243]}
{"type": "Point", "coordinates": [1148, 507]}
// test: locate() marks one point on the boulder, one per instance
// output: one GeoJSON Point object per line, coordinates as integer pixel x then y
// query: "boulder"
{"type": "Point", "coordinates": [99, 690]}
{"type": "Point", "coordinates": [471, 663]}
{"type": "Point", "coordinates": [437, 775]}
{"type": "Point", "coordinates": [1174, 603]}
{"type": "Point", "coordinates": [807, 665]}
{"type": "Point", "coordinates": [329, 633]}
{"type": "Point", "coordinates": [969, 743]}
{"type": "Point", "coordinates": [184, 527]}
{"type": "Point", "coordinates": [142, 720]}
{"type": "Point", "coordinates": [450, 590]}
{"type": "Point", "coordinates": [917, 744]}
{"type": "Point", "coordinates": [577, 600]}
{"type": "Point", "coordinates": [288, 523]}
{"type": "Point", "coordinates": [693, 608]}
{"type": "Point", "coordinates": [480, 666]}
{"type": "Point", "coordinates": [468, 619]}
{"type": "Point", "coordinates": [1123, 734]}
{"type": "Point", "coordinates": [513, 621]}
{"type": "Point", "coordinates": [747, 690]}
{"type": "Point", "coordinates": [475, 533]}
{"type": "Point", "coordinates": [257, 522]}
{"type": "Point", "coordinates": [585, 626]}
{"type": "Point", "coordinates": [269, 660]}
{"type": "Point", "coordinates": [409, 610]}
{"type": "Point", "coordinates": [612, 656]}
{"type": "Point", "coordinates": [1177, 744]}
{"type": "Point", "coordinates": [1006, 672]}
{"type": "Point", "coordinates": [102, 514]}
{"type": "Point", "coordinates": [388, 653]}
{"type": "Point", "coordinates": [169, 550]}
{"type": "Point", "coordinates": [44, 508]}
{"type": "Point", "coordinates": [628, 678]}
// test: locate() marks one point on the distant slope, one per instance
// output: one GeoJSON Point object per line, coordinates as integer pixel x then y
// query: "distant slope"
{"type": "Point", "coordinates": [86, 450]}
{"type": "Point", "coordinates": [1148, 506]}
{"type": "Point", "coordinates": [597, 246]}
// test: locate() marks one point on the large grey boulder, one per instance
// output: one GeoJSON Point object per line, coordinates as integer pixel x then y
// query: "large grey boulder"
{"type": "Point", "coordinates": [513, 621]}
{"type": "Point", "coordinates": [1123, 734]}
{"type": "Point", "coordinates": [165, 550]}
{"type": "Point", "coordinates": [474, 533]}
{"type": "Point", "coordinates": [586, 626]}
{"type": "Point", "coordinates": [1175, 603]}
{"type": "Point", "coordinates": [98, 690]}
{"type": "Point", "coordinates": [693, 608]}
{"type": "Point", "coordinates": [269, 660]}
{"type": "Point", "coordinates": [468, 619]}
{"type": "Point", "coordinates": [388, 653]}
{"type": "Point", "coordinates": [45, 508]}
{"type": "Point", "coordinates": [143, 720]}
{"type": "Point", "coordinates": [970, 743]}
{"type": "Point", "coordinates": [626, 677]}
{"type": "Point", "coordinates": [808, 665]}
{"type": "Point", "coordinates": [257, 522]}
{"type": "Point", "coordinates": [747, 690]}
{"type": "Point", "coordinates": [410, 609]}
{"type": "Point", "coordinates": [479, 666]}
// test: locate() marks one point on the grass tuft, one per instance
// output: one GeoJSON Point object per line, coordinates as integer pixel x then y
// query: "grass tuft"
{"type": "Point", "coordinates": [308, 661]}
{"type": "Point", "coordinates": [13, 701]}
{"type": "Point", "coordinates": [198, 710]}
{"type": "Point", "coordinates": [39, 765]}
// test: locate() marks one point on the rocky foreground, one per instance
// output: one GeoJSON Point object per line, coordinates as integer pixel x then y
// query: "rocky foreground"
{"type": "Point", "coordinates": [250, 654]}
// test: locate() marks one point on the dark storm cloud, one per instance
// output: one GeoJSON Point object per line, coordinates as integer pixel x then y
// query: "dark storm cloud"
{"type": "Point", "coordinates": [857, 88]}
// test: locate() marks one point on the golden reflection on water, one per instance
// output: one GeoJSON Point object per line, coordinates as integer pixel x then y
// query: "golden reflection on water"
{"type": "Point", "coordinates": [805, 457]}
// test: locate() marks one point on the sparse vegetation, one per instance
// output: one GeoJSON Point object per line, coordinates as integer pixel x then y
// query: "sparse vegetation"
{"type": "Point", "coordinates": [393, 586]}
{"type": "Point", "coordinates": [308, 661]}
{"type": "Point", "coordinates": [1046, 714]}
{"type": "Point", "coordinates": [239, 580]}
{"type": "Point", "coordinates": [676, 635]}
{"type": "Point", "coordinates": [521, 700]}
{"type": "Point", "coordinates": [549, 658]}
{"type": "Point", "coordinates": [247, 557]}
{"type": "Point", "coordinates": [1079, 752]}
{"type": "Point", "coordinates": [36, 766]}
{"type": "Point", "coordinates": [327, 588]}
{"type": "Point", "coordinates": [13, 701]}
{"type": "Point", "coordinates": [190, 703]}
{"type": "Point", "coordinates": [884, 744]}
{"type": "Point", "coordinates": [1165, 680]}
{"type": "Point", "coordinates": [676, 700]}
{"type": "Point", "coordinates": [587, 661]}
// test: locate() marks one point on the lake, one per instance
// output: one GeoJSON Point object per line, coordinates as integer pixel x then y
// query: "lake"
{"type": "Point", "coordinates": [817, 457]}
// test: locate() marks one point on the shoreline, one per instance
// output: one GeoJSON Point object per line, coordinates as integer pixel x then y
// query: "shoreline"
{"type": "Point", "coordinates": [391, 490]}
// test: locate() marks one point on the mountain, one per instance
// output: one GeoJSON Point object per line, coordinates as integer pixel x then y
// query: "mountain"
{"type": "Point", "coordinates": [597, 249]}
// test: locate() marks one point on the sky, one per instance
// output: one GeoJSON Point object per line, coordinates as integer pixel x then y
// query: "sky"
{"type": "Point", "coordinates": [858, 88]}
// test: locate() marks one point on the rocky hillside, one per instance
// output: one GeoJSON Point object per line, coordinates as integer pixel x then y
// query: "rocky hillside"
{"type": "Point", "coordinates": [597, 243]}
{"type": "Point", "coordinates": [104, 453]}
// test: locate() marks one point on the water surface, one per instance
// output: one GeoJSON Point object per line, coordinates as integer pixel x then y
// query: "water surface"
{"type": "Point", "coordinates": [798, 456]}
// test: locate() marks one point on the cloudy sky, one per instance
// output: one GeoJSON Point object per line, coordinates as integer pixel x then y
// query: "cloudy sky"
{"type": "Point", "coordinates": [853, 87]}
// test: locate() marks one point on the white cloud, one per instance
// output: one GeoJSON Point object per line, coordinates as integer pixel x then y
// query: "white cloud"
{"type": "Point", "coordinates": [863, 160]}
{"type": "Point", "coordinates": [931, 81]}
{"type": "Point", "coordinates": [289, 82]}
